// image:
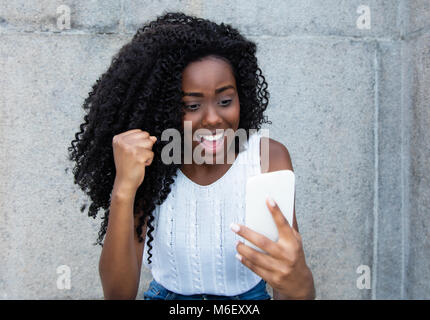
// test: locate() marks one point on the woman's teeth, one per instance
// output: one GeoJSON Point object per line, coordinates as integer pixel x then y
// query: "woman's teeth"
{"type": "Point", "coordinates": [212, 138]}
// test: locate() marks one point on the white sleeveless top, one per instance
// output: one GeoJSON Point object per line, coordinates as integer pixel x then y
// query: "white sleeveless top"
{"type": "Point", "coordinates": [193, 250]}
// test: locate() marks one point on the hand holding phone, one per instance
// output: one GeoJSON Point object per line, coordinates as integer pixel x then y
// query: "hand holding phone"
{"type": "Point", "coordinates": [280, 186]}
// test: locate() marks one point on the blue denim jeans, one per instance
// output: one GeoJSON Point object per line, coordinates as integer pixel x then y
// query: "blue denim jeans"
{"type": "Point", "coordinates": [157, 292]}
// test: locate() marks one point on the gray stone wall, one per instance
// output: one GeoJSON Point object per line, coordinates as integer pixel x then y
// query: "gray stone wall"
{"type": "Point", "coordinates": [351, 104]}
{"type": "Point", "coordinates": [416, 123]}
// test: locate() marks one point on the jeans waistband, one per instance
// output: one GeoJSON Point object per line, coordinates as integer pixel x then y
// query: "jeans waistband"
{"type": "Point", "coordinates": [158, 292]}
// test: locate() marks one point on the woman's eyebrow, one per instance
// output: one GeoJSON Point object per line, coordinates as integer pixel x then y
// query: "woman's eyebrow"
{"type": "Point", "coordinates": [198, 94]}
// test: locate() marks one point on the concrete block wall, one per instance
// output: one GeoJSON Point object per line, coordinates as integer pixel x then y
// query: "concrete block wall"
{"type": "Point", "coordinates": [416, 114]}
{"type": "Point", "coordinates": [350, 104]}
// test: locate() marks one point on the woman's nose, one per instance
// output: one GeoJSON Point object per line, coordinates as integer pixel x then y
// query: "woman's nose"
{"type": "Point", "coordinates": [211, 118]}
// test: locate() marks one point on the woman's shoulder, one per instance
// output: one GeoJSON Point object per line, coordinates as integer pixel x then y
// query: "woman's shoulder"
{"type": "Point", "coordinates": [279, 157]}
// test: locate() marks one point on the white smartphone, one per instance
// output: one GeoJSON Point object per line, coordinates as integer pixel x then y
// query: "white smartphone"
{"type": "Point", "coordinates": [280, 185]}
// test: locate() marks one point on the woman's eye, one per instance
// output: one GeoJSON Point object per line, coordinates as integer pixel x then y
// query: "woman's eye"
{"type": "Point", "coordinates": [191, 107]}
{"type": "Point", "coordinates": [195, 107]}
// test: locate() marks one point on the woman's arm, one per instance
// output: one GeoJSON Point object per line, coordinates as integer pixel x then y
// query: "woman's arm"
{"type": "Point", "coordinates": [121, 256]}
{"type": "Point", "coordinates": [308, 288]}
{"type": "Point", "coordinates": [279, 159]}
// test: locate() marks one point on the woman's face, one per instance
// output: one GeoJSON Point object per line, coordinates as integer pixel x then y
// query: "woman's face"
{"type": "Point", "coordinates": [210, 101]}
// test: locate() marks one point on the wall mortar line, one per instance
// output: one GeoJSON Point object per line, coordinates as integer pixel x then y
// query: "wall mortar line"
{"type": "Point", "coordinates": [121, 19]}
{"type": "Point", "coordinates": [404, 12]}
{"type": "Point", "coordinates": [374, 268]}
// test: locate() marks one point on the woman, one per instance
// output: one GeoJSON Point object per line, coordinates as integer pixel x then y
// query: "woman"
{"type": "Point", "coordinates": [176, 70]}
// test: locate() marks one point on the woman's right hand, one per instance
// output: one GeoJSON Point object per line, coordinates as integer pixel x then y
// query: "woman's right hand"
{"type": "Point", "coordinates": [132, 152]}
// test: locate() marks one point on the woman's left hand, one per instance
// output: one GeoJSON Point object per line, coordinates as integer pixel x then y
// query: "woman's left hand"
{"type": "Point", "coordinates": [283, 265]}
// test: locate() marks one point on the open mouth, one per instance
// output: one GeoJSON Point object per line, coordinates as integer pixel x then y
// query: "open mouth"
{"type": "Point", "coordinates": [212, 143]}
{"type": "Point", "coordinates": [212, 138]}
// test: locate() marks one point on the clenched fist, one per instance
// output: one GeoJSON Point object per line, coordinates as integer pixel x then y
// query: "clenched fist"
{"type": "Point", "coordinates": [132, 152]}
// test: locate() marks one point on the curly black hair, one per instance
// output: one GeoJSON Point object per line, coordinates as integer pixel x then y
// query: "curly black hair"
{"type": "Point", "coordinates": [142, 88]}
